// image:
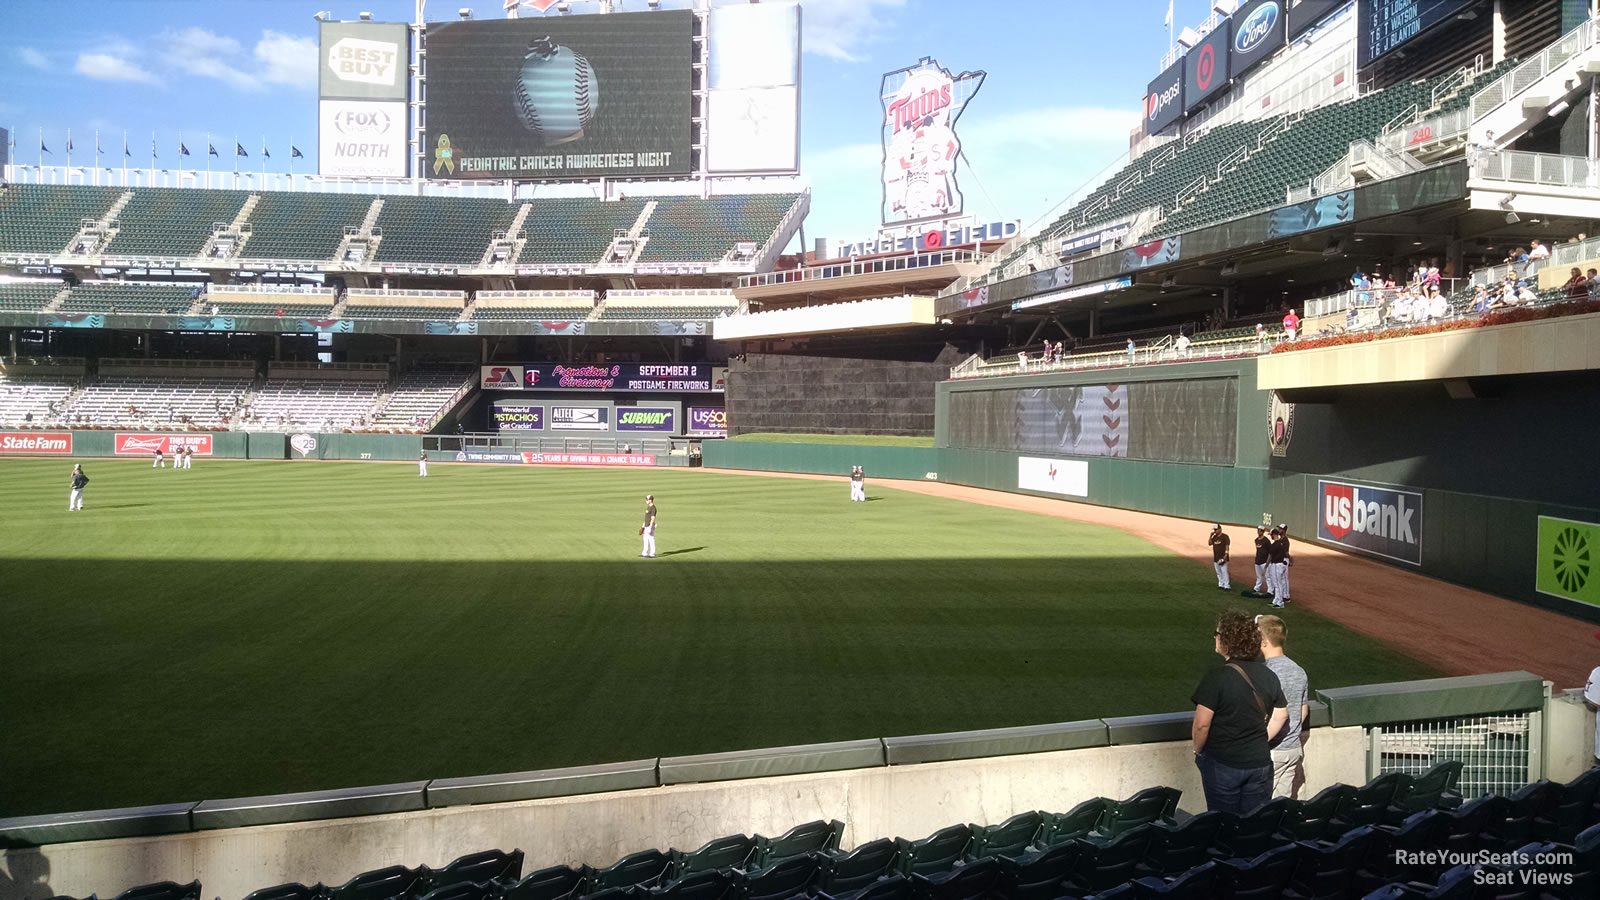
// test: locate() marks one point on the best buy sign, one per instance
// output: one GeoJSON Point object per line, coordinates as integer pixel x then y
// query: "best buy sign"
{"type": "Point", "coordinates": [1567, 557]}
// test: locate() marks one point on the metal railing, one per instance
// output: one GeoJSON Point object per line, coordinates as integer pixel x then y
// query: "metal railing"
{"type": "Point", "coordinates": [1162, 351]}
{"type": "Point", "coordinates": [1514, 82]}
{"type": "Point", "coordinates": [1499, 754]}
{"type": "Point", "coordinates": [370, 293]}
{"type": "Point", "coordinates": [274, 289]}
{"type": "Point", "coordinates": [1535, 168]}
{"type": "Point", "coordinates": [859, 267]}
{"type": "Point", "coordinates": [585, 296]}
{"type": "Point", "coordinates": [1567, 254]}
{"type": "Point", "coordinates": [1434, 129]}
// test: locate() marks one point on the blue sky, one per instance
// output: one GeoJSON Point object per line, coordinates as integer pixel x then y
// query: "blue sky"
{"type": "Point", "coordinates": [1064, 83]}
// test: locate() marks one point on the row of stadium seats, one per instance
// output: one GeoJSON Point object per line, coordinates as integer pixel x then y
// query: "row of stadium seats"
{"type": "Point", "coordinates": [130, 297]}
{"type": "Point", "coordinates": [28, 399]}
{"type": "Point", "coordinates": [28, 296]}
{"type": "Point", "coordinates": [177, 222]}
{"type": "Point", "coordinates": [1395, 837]}
{"type": "Point", "coordinates": [155, 402]}
{"type": "Point", "coordinates": [420, 394]}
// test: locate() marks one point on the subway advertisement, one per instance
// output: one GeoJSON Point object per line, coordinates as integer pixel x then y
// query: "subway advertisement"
{"type": "Point", "coordinates": [565, 97]}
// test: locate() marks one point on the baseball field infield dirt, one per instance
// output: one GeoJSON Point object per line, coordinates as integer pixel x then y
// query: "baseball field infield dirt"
{"type": "Point", "coordinates": [1455, 629]}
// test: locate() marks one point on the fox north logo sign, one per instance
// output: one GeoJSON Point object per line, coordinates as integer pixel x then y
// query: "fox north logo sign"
{"type": "Point", "coordinates": [1378, 521]}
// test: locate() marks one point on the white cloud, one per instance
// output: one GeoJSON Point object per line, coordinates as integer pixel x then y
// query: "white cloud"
{"type": "Point", "coordinates": [287, 60]}
{"type": "Point", "coordinates": [106, 67]}
{"type": "Point", "coordinates": [34, 58]}
{"type": "Point", "coordinates": [837, 28]}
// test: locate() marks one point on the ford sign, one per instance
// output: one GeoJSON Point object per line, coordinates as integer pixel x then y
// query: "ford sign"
{"type": "Point", "coordinates": [1257, 28]}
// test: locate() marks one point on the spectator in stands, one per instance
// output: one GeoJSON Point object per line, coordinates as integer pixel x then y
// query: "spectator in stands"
{"type": "Point", "coordinates": [1537, 251]}
{"type": "Point", "coordinates": [1438, 305]}
{"type": "Point", "coordinates": [1182, 345]}
{"type": "Point", "coordinates": [1261, 334]}
{"type": "Point", "coordinates": [1577, 286]}
{"type": "Point", "coordinates": [1046, 356]}
{"type": "Point", "coordinates": [1525, 293]}
{"type": "Point", "coordinates": [1480, 299]}
{"type": "Point", "coordinates": [1351, 318]}
{"type": "Point", "coordinates": [1359, 280]}
{"type": "Point", "coordinates": [1022, 360]}
{"type": "Point", "coordinates": [1237, 705]}
{"type": "Point", "coordinates": [1285, 746]}
{"type": "Point", "coordinates": [1130, 351]}
{"type": "Point", "coordinates": [1291, 325]}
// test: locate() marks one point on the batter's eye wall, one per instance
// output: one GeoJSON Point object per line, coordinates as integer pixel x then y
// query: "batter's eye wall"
{"type": "Point", "coordinates": [1190, 421]}
{"type": "Point", "coordinates": [769, 392]}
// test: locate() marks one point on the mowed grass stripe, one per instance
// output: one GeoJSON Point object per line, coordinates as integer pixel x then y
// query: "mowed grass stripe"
{"type": "Point", "coordinates": [258, 627]}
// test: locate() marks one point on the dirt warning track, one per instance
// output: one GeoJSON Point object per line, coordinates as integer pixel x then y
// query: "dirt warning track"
{"type": "Point", "coordinates": [1455, 629]}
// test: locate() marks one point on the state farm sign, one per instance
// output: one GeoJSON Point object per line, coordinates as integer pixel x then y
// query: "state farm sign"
{"type": "Point", "coordinates": [28, 442]}
{"type": "Point", "coordinates": [144, 444]}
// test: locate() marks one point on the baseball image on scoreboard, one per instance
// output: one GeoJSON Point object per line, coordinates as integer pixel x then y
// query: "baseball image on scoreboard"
{"type": "Point", "coordinates": [556, 97]}
{"type": "Point", "coordinates": [921, 104]}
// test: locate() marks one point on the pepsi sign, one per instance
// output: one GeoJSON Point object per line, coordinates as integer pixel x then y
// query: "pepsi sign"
{"type": "Point", "coordinates": [1379, 521]}
{"type": "Point", "coordinates": [1259, 30]}
{"type": "Point", "coordinates": [1163, 101]}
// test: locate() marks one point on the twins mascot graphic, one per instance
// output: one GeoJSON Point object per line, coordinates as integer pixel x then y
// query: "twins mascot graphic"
{"type": "Point", "coordinates": [920, 147]}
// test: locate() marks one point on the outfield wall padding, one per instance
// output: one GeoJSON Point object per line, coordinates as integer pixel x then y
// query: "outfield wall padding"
{"type": "Point", "coordinates": [267, 445]}
{"type": "Point", "coordinates": [923, 748]}
{"type": "Point", "coordinates": [98, 824]}
{"type": "Point", "coordinates": [622, 776]}
{"type": "Point", "coordinates": [1434, 698]}
{"type": "Point", "coordinates": [772, 761]}
{"type": "Point", "coordinates": [299, 807]}
{"type": "Point", "coordinates": [821, 459]}
{"type": "Point", "coordinates": [1150, 729]}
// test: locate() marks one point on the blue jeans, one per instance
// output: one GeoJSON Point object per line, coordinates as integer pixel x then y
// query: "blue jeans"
{"type": "Point", "coordinates": [1238, 791]}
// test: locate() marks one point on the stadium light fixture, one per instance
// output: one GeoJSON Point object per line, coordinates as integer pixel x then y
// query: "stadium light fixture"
{"type": "Point", "coordinates": [464, 13]}
{"type": "Point", "coordinates": [365, 16]}
{"type": "Point", "coordinates": [323, 16]}
{"type": "Point", "coordinates": [1559, 108]}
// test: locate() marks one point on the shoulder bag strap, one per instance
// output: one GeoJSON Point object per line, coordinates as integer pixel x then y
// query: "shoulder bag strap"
{"type": "Point", "coordinates": [1260, 707]}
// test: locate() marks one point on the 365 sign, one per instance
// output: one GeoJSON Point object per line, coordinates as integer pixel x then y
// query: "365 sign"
{"type": "Point", "coordinates": [1379, 521]}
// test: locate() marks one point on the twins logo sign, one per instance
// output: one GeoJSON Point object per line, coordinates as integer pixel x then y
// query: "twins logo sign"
{"type": "Point", "coordinates": [921, 104]}
{"type": "Point", "coordinates": [1378, 521]}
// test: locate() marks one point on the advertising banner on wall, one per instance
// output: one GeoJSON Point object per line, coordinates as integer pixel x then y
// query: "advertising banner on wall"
{"type": "Point", "coordinates": [646, 418]}
{"type": "Point", "coordinates": [1568, 552]}
{"type": "Point", "coordinates": [753, 105]}
{"type": "Point", "coordinates": [921, 105]}
{"type": "Point", "coordinates": [517, 417]}
{"type": "Point", "coordinates": [1163, 99]}
{"type": "Point", "coordinates": [1380, 521]}
{"type": "Point", "coordinates": [560, 97]}
{"type": "Point", "coordinates": [579, 418]}
{"type": "Point", "coordinates": [34, 442]}
{"type": "Point", "coordinates": [708, 421]}
{"type": "Point", "coordinates": [589, 459]}
{"type": "Point", "coordinates": [362, 137]}
{"type": "Point", "coordinates": [1383, 26]}
{"type": "Point", "coordinates": [651, 377]}
{"type": "Point", "coordinates": [147, 444]}
{"type": "Point", "coordinates": [1259, 29]}
{"type": "Point", "coordinates": [1205, 68]}
{"type": "Point", "coordinates": [364, 61]}
{"type": "Point", "coordinates": [505, 378]}
{"type": "Point", "coordinates": [1069, 477]}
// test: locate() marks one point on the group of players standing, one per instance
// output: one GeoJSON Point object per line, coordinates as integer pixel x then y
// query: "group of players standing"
{"type": "Point", "coordinates": [182, 458]}
{"type": "Point", "coordinates": [1272, 562]}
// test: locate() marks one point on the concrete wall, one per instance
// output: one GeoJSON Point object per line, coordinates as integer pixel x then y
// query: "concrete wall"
{"type": "Point", "coordinates": [910, 801]}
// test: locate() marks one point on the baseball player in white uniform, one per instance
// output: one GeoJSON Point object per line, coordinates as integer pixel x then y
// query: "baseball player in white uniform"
{"type": "Point", "coordinates": [649, 527]}
{"type": "Point", "coordinates": [858, 484]}
{"type": "Point", "coordinates": [422, 465]}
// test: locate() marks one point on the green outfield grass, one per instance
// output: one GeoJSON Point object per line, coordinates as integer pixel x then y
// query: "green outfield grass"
{"type": "Point", "coordinates": [859, 440]}
{"type": "Point", "coordinates": [258, 627]}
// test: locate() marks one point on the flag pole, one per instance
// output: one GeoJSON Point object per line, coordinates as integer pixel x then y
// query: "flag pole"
{"type": "Point", "coordinates": [41, 153]}
{"type": "Point", "coordinates": [124, 157]}
{"type": "Point", "coordinates": [291, 162]}
{"type": "Point", "coordinates": [152, 157]}
{"type": "Point", "coordinates": [69, 154]}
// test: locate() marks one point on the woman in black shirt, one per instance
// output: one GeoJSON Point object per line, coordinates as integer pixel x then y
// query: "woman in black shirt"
{"type": "Point", "coordinates": [1237, 705]}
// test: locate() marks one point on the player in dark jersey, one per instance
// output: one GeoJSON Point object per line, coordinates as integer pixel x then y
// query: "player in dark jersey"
{"type": "Point", "coordinates": [1288, 563]}
{"type": "Point", "coordinates": [649, 527]}
{"type": "Point", "coordinates": [1219, 556]}
{"type": "Point", "coordinates": [1277, 565]}
{"type": "Point", "coordinates": [1263, 544]}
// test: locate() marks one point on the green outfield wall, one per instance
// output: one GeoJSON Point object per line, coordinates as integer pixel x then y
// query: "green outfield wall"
{"type": "Point", "coordinates": [221, 445]}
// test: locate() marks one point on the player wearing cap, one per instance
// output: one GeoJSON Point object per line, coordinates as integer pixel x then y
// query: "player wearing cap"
{"type": "Point", "coordinates": [160, 458]}
{"type": "Point", "coordinates": [858, 484]}
{"type": "Point", "coordinates": [79, 482]}
{"type": "Point", "coordinates": [1263, 544]}
{"type": "Point", "coordinates": [422, 465]}
{"type": "Point", "coordinates": [1277, 564]}
{"type": "Point", "coordinates": [187, 455]}
{"type": "Point", "coordinates": [649, 528]}
{"type": "Point", "coordinates": [1219, 556]}
{"type": "Point", "coordinates": [1288, 563]}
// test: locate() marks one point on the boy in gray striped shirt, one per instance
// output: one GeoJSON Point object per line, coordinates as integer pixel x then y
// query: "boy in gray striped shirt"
{"type": "Point", "coordinates": [1285, 746]}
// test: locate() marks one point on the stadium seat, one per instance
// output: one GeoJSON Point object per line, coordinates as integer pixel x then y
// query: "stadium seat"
{"type": "Point", "coordinates": [972, 881]}
{"type": "Point", "coordinates": [938, 852]}
{"type": "Point", "coordinates": [1339, 869]}
{"type": "Point", "coordinates": [1010, 838]}
{"type": "Point", "coordinates": [784, 879]}
{"type": "Point", "coordinates": [1367, 805]}
{"type": "Point", "coordinates": [172, 222]}
{"type": "Point", "coordinates": [731, 852]}
{"type": "Point", "coordinates": [43, 218]}
{"type": "Point", "coordinates": [1102, 865]}
{"type": "Point", "coordinates": [1149, 805]}
{"type": "Point", "coordinates": [1573, 809]}
{"type": "Point", "coordinates": [1251, 835]}
{"type": "Point", "coordinates": [1312, 820]}
{"type": "Point", "coordinates": [1197, 883]}
{"type": "Point", "coordinates": [1468, 828]}
{"type": "Point", "coordinates": [1586, 863]}
{"type": "Point", "coordinates": [554, 883]}
{"type": "Point", "coordinates": [893, 887]}
{"type": "Point", "coordinates": [379, 884]}
{"type": "Point", "coordinates": [1174, 848]}
{"type": "Point", "coordinates": [305, 225]}
{"type": "Point", "coordinates": [486, 865]}
{"type": "Point", "coordinates": [1073, 824]}
{"type": "Point", "coordinates": [1433, 789]}
{"type": "Point", "coordinates": [811, 837]}
{"type": "Point", "coordinates": [644, 868]}
{"type": "Point", "coordinates": [706, 885]}
{"type": "Point", "coordinates": [292, 891]}
{"type": "Point", "coordinates": [1264, 877]}
{"type": "Point", "coordinates": [1038, 876]}
{"type": "Point", "coordinates": [435, 231]}
{"type": "Point", "coordinates": [1523, 810]}
{"type": "Point", "coordinates": [464, 890]}
{"type": "Point", "coordinates": [1402, 856]}
{"type": "Point", "coordinates": [844, 873]}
